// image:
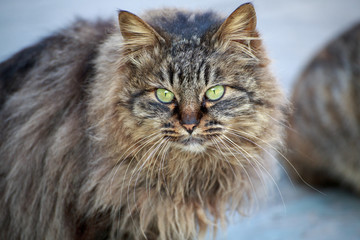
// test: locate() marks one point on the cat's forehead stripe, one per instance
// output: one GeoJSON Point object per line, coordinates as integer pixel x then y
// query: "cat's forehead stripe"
{"type": "Point", "coordinates": [190, 75]}
{"type": "Point", "coordinates": [206, 73]}
{"type": "Point", "coordinates": [170, 74]}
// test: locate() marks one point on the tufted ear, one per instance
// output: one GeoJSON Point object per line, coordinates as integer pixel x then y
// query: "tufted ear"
{"type": "Point", "coordinates": [238, 28]}
{"type": "Point", "coordinates": [137, 34]}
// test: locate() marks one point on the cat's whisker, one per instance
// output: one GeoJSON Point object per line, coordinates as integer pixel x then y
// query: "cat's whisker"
{"type": "Point", "coordinates": [137, 170]}
{"type": "Point", "coordinates": [137, 149]}
{"type": "Point", "coordinates": [157, 145]}
{"type": "Point", "coordinates": [259, 164]}
{"type": "Point", "coordinates": [122, 158]}
{"type": "Point", "coordinates": [152, 161]}
{"type": "Point", "coordinates": [242, 152]}
{"type": "Point", "coordinates": [265, 150]}
{"type": "Point", "coordinates": [282, 155]}
{"type": "Point", "coordinates": [222, 153]}
{"type": "Point", "coordinates": [238, 164]}
{"type": "Point", "coordinates": [281, 123]}
{"type": "Point", "coordinates": [162, 153]}
{"type": "Point", "coordinates": [123, 181]}
{"type": "Point", "coordinates": [150, 138]}
{"type": "Point", "coordinates": [238, 132]}
{"type": "Point", "coordinates": [161, 168]}
{"type": "Point", "coordinates": [153, 138]}
{"type": "Point", "coordinates": [242, 166]}
{"type": "Point", "coordinates": [155, 163]}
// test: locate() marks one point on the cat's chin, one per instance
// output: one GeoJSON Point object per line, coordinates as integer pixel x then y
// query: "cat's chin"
{"type": "Point", "coordinates": [193, 145]}
{"type": "Point", "coordinates": [194, 148]}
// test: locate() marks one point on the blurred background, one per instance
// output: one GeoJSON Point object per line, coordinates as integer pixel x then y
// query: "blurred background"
{"type": "Point", "coordinates": [293, 32]}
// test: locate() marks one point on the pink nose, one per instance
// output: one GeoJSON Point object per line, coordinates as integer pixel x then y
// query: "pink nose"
{"type": "Point", "coordinates": [189, 127]}
{"type": "Point", "coordinates": [189, 119]}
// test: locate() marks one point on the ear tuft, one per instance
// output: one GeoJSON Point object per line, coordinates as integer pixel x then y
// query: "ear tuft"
{"type": "Point", "coordinates": [137, 34]}
{"type": "Point", "coordinates": [238, 28]}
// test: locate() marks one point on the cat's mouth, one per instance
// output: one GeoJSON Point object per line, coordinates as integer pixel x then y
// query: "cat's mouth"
{"type": "Point", "coordinates": [192, 140]}
{"type": "Point", "coordinates": [193, 144]}
{"type": "Point", "coordinates": [196, 143]}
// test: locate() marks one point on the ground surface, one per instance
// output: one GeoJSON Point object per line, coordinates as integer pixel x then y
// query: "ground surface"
{"type": "Point", "coordinates": [293, 31]}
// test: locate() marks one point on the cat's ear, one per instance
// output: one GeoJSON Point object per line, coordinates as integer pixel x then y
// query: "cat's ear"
{"type": "Point", "coordinates": [237, 29]}
{"type": "Point", "coordinates": [137, 33]}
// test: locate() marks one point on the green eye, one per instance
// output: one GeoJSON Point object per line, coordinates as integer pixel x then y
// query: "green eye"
{"type": "Point", "coordinates": [164, 96]}
{"type": "Point", "coordinates": [215, 93]}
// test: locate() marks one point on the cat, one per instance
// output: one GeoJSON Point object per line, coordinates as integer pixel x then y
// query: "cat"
{"type": "Point", "coordinates": [152, 129]}
{"type": "Point", "coordinates": [324, 135]}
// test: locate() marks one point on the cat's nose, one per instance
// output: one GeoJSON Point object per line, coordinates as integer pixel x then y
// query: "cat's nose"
{"type": "Point", "coordinates": [189, 120]}
{"type": "Point", "coordinates": [189, 127]}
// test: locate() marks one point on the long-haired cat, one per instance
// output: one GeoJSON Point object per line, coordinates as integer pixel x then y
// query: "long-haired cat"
{"type": "Point", "coordinates": [148, 131]}
{"type": "Point", "coordinates": [324, 137]}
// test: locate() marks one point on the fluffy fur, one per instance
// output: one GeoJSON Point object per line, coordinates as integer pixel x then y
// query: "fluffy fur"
{"type": "Point", "coordinates": [87, 151]}
{"type": "Point", "coordinates": [324, 138]}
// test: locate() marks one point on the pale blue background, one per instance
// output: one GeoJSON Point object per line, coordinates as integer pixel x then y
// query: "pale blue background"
{"type": "Point", "coordinates": [293, 31]}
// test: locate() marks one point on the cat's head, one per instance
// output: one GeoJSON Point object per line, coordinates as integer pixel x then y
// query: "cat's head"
{"type": "Point", "coordinates": [187, 80]}
{"type": "Point", "coordinates": [192, 88]}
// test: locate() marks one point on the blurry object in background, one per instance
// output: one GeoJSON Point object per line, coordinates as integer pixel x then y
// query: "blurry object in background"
{"type": "Point", "coordinates": [324, 134]}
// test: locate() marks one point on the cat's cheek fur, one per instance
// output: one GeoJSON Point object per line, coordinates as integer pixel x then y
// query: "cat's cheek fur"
{"type": "Point", "coordinates": [149, 109]}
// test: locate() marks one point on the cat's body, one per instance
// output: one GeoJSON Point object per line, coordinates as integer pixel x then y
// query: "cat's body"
{"type": "Point", "coordinates": [324, 133]}
{"type": "Point", "coordinates": [90, 149]}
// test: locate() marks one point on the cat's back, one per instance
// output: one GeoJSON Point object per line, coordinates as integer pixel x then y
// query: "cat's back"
{"type": "Point", "coordinates": [324, 141]}
{"type": "Point", "coordinates": [67, 52]}
{"type": "Point", "coordinates": [42, 102]}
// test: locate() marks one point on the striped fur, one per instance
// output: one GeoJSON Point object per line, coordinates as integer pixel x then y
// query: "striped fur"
{"type": "Point", "coordinates": [88, 152]}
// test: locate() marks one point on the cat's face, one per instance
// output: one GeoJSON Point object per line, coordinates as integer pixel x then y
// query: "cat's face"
{"type": "Point", "coordinates": [191, 91]}
{"type": "Point", "coordinates": [193, 97]}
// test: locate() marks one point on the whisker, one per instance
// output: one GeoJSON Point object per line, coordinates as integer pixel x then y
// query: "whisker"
{"type": "Point", "coordinates": [258, 163]}
{"type": "Point", "coordinates": [122, 158]}
{"type": "Point", "coordinates": [161, 145]}
{"type": "Point", "coordinates": [147, 180]}
{"type": "Point", "coordinates": [218, 147]}
{"type": "Point", "coordinates": [275, 149]}
{"type": "Point", "coordinates": [154, 136]}
{"type": "Point", "coordinates": [137, 171]}
{"type": "Point", "coordinates": [140, 161]}
{"type": "Point", "coordinates": [265, 150]}
{"type": "Point", "coordinates": [162, 161]}
{"type": "Point", "coordinates": [241, 165]}
{"type": "Point", "coordinates": [281, 123]}
{"type": "Point", "coordinates": [242, 151]}
{"type": "Point", "coordinates": [137, 149]}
